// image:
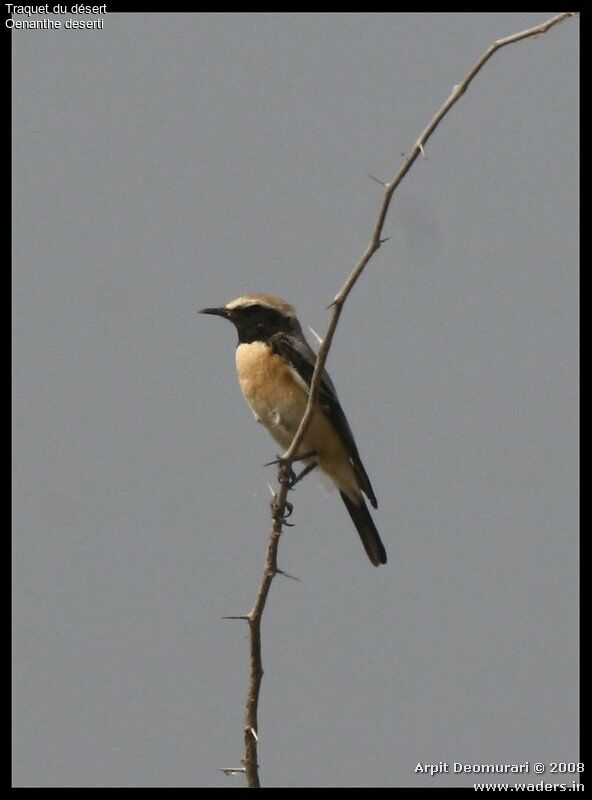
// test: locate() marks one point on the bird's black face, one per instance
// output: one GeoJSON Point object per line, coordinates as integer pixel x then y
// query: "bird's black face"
{"type": "Point", "coordinates": [255, 323]}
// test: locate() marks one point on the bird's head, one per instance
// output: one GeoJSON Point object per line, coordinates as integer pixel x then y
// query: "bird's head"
{"type": "Point", "coordinates": [257, 317]}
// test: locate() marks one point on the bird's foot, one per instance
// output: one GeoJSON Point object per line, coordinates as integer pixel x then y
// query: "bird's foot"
{"type": "Point", "coordinates": [280, 514]}
{"type": "Point", "coordinates": [287, 474]}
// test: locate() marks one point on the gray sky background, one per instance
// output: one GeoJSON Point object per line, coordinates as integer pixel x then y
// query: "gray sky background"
{"type": "Point", "coordinates": [175, 161]}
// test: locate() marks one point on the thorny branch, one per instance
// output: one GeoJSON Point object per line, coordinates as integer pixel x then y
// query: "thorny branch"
{"type": "Point", "coordinates": [280, 502]}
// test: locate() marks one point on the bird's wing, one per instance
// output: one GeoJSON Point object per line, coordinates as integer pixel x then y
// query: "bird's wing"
{"type": "Point", "coordinates": [302, 359]}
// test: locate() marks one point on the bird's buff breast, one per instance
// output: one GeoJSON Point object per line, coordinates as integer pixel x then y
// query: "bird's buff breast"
{"type": "Point", "coordinates": [270, 389]}
{"type": "Point", "coordinates": [278, 397]}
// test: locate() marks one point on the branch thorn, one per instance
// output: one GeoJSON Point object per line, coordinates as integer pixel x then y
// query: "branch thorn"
{"type": "Point", "coordinates": [316, 335]}
{"type": "Point", "coordinates": [286, 574]}
{"type": "Point", "coordinates": [373, 178]}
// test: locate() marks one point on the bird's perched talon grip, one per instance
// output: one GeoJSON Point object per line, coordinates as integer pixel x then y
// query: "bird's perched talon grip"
{"type": "Point", "coordinates": [281, 515]}
{"type": "Point", "coordinates": [287, 477]}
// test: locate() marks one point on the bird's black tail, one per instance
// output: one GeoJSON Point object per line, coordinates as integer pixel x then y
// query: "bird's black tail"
{"type": "Point", "coordinates": [366, 528]}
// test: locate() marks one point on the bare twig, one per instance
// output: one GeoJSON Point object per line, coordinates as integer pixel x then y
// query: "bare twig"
{"type": "Point", "coordinates": [280, 501]}
{"type": "Point", "coordinates": [254, 618]}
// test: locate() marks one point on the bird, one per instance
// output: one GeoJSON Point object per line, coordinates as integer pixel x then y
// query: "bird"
{"type": "Point", "coordinates": [275, 365]}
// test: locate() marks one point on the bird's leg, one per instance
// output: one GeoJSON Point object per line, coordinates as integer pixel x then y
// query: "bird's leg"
{"type": "Point", "coordinates": [291, 478]}
{"type": "Point", "coordinates": [294, 479]}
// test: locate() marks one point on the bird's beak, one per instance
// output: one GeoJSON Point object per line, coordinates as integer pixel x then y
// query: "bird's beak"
{"type": "Point", "coordinates": [219, 312]}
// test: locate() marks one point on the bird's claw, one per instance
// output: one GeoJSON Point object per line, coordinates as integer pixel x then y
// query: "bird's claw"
{"type": "Point", "coordinates": [287, 474]}
{"type": "Point", "coordinates": [281, 514]}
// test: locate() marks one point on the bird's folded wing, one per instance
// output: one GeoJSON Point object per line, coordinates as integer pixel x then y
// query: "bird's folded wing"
{"type": "Point", "coordinates": [302, 358]}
